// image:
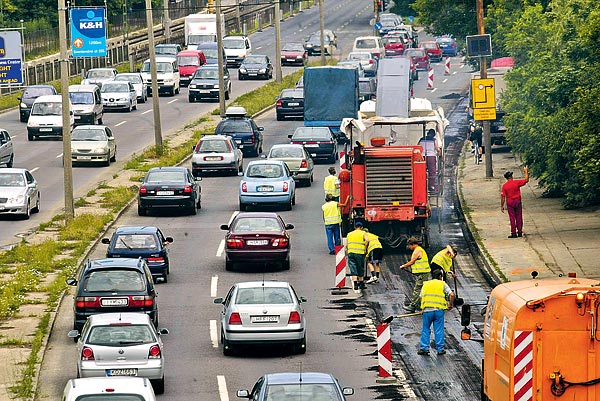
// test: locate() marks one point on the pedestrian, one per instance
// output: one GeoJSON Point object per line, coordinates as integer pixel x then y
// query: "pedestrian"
{"type": "Point", "coordinates": [420, 268]}
{"type": "Point", "coordinates": [511, 196]}
{"type": "Point", "coordinates": [374, 257]}
{"type": "Point", "coordinates": [358, 242]}
{"type": "Point", "coordinates": [332, 218]}
{"type": "Point", "coordinates": [436, 296]}
{"type": "Point", "coordinates": [443, 261]}
{"type": "Point", "coordinates": [431, 151]}
{"type": "Point", "coordinates": [331, 184]}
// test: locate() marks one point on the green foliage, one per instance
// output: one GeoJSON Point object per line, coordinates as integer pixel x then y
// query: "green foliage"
{"type": "Point", "coordinates": [457, 17]}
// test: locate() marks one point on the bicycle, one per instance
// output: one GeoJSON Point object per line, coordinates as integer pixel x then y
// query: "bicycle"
{"type": "Point", "coordinates": [476, 153]}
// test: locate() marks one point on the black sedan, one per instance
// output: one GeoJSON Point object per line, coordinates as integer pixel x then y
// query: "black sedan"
{"type": "Point", "coordinates": [257, 237]}
{"type": "Point", "coordinates": [290, 103]}
{"type": "Point", "coordinates": [318, 141]}
{"type": "Point", "coordinates": [29, 95]}
{"type": "Point", "coordinates": [169, 187]}
{"type": "Point", "coordinates": [256, 66]}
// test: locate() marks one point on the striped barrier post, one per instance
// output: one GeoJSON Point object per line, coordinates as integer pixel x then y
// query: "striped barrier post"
{"type": "Point", "coordinates": [447, 69]}
{"type": "Point", "coordinates": [343, 160]}
{"type": "Point", "coordinates": [430, 79]}
{"type": "Point", "coordinates": [340, 271]}
{"type": "Point", "coordinates": [384, 352]}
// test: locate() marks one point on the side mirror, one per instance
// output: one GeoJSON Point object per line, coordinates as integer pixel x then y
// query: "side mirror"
{"type": "Point", "coordinates": [263, 156]}
{"type": "Point", "coordinates": [289, 226]}
{"type": "Point", "coordinates": [105, 241]}
{"type": "Point", "coordinates": [138, 70]}
{"type": "Point", "coordinates": [243, 394]}
{"type": "Point", "coordinates": [163, 332]}
{"type": "Point", "coordinates": [169, 240]}
{"type": "Point", "coordinates": [71, 281]}
{"type": "Point", "coordinates": [73, 334]}
{"type": "Point", "coordinates": [261, 128]}
{"type": "Point", "coordinates": [224, 227]}
{"type": "Point", "coordinates": [302, 299]}
{"type": "Point", "coordinates": [348, 391]}
{"type": "Point", "coordinates": [142, 179]}
{"type": "Point", "coordinates": [290, 136]}
{"type": "Point", "coordinates": [218, 300]}
{"type": "Point", "coordinates": [19, 98]}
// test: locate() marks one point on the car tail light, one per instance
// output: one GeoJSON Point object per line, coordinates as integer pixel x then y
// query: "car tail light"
{"type": "Point", "coordinates": [285, 187]}
{"type": "Point", "coordinates": [235, 243]}
{"type": "Point", "coordinates": [281, 242]}
{"type": "Point", "coordinates": [303, 164]}
{"type": "Point", "coordinates": [87, 302]}
{"type": "Point", "coordinates": [294, 318]}
{"type": "Point", "coordinates": [370, 61]}
{"type": "Point", "coordinates": [279, 103]}
{"type": "Point", "coordinates": [296, 143]}
{"type": "Point", "coordinates": [311, 143]}
{"type": "Point", "coordinates": [244, 187]}
{"type": "Point", "coordinates": [187, 189]}
{"type": "Point", "coordinates": [143, 190]}
{"type": "Point", "coordinates": [155, 260]}
{"type": "Point", "coordinates": [376, 54]}
{"type": "Point", "coordinates": [137, 301]}
{"type": "Point", "coordinates": [87, 354]}
{"type": "Point", "coordinates": [453, 44]}
{"type": "Point", "coordinates": [154, 352]}
{"type": "Point", "coordinates": [235, 318]}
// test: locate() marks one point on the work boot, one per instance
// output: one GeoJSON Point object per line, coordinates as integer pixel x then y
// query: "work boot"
{"type": "Point", "coordinates": [442, 352]}
{"type": "Point", "coordinates": [361, 285]}
{"type": "Point", "coordinates": [408, 308]}
{"type": "Point", "coordinates": [423, 352]}
{"type": "Point", "coordinates": [372, 280]}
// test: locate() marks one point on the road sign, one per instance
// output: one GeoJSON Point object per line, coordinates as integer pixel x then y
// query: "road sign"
{"type": "Point", "coordinates": [484, 114]}
{"type": "Point", "coordinates": [479, 45]}
{"type": "Point", "coordinates": [88, 32]}
{"type": "Point", "coordinates": [483, 93]}
{"type": "Point", "coordinates": [11, 58]}
{"type": "Point", "coordinates": [378, 25]}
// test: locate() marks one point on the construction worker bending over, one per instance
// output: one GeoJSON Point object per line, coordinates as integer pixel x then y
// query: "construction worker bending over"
{"type": "Point", "coordinates": [358, 242]}
{"type": "Point", "coordinates": [443, 261]}
{"type": "Point", "coordinates": [420, 268]}
{"type": "Point", "coordinates": [331, 185]}
{"type": "Point", "coordinates": [374, 256]}
{"type": "Point", "coordinates": [436, 297]}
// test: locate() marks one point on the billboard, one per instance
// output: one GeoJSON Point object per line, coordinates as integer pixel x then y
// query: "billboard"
{"type": "Point", "coordinates": [11, 58]}
{"type": "Point", "coordinates": [88, 32]}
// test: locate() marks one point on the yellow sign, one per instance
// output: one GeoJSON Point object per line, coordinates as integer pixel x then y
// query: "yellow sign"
{"type": "Point", "coordinates": [484, 114]}
{"type": "Point", "coordinates": [483, 93]}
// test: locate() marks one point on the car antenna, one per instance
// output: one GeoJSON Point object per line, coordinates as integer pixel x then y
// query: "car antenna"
{"type": "Point", "coordinates": [300, 378]}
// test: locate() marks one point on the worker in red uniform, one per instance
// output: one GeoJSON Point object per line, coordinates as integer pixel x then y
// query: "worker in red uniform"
{"type": "Point", "coordinates": [511, 197]}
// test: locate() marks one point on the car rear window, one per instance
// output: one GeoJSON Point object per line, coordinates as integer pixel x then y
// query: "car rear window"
{"type": "Point", "coordinates": [304, 391]}
{"type": "Point", "coordinates": [263, 295]}
{"type": "Point", "coordinates": [136, 241]}
{"type": "Point", "coordinates": [429, 45]}
{"type": "Point", "coordinates": [119, 335]}
{"type": "Point", "coordinates": [414, 52]}
{"type": "Point", "coordinates": [110, 397]}
{"type": "Point", "coordinates": [292, 93]}
{"type": "Point", "coordinates": [114, 281]}
{"type": "Point", "coordinates": [235, 127]}
{"type": "Point", "coordinates": [256, 224]}
{"type": "Point", "coordinates": [365, 44]}
{"type": "Point", "coordinates": [311, 134]}
{"type": "Point", "coordinates": [134, 79]}
{"type": "Point", "coordinates": [81, 97]}
{"type": "Point", "coordinates": [286, 152]}
{"type": "Point", "coordinates": [213, 146]}
{"type": "Point", "coordinates": [35, 92]}
{"type": "Point", "coordinates": [265, 171]}
{"type": "Point", "coordinates": [166, 176]}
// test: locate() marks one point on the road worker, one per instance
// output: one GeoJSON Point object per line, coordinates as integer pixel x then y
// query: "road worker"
{"type": "Point", "coordinates": [374, 256]}
{"type": "Point", "coordinates": [331, 185]}
{"type": "Point", "coordinates": [420, 268]}
{"type": "Point", "coordinates": [436, 296]}
{"type": "Point", "coordinates": [332, 218]}
{"type": "Point", "coordinates": [443, 261]}
{"type": "Point", "coordinates": [358, 243]}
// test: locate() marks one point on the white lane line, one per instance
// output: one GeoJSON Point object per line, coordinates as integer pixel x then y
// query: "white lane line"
{"type": "Point", "coordinates": [454, 73]}
{"type": "Point", "coordinates": [33, 170]}
{"type": "Point", "coordinates": [59, 156]}
{"type": "Point", "coordinates": [223, 395]}
{"type": "Point", "coordinates": [121, 123]}
{"type": "Point", "coordinates": [461, 66]}
{"type": "Point", "coordinates": [259, 47]}
{"type": "Point", "coordinates": [14, 136]}
{"type": "Point", "coordinates": [213, 286]}
{"type": "Point", "coordinates": [213, 334]}
{"type": "Point", "coordinates": [433, 90]}
{"type": "Point", "coordinates": [173, 101]}
{"type": "Point", "coordinates": [445, 80]}
{"type": "Point", "coordinates": [220, 249]}
{"type": "Point", "coordinates": [147, 111]}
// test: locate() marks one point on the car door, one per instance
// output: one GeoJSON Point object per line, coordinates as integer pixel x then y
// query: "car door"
{"type": "Point", "coordinates": [258, 136]}
{"type": "Point", "coordinates": [163, 244]}
{"type": "Point", "coordinates": [112, 146]}
{"type": "Point", "coordinates": [226, 304]}
{"type": "Point", "coordinates": [226, 78]}
{"type": "Point", "coordinates": [32, 188]}
{"type": "Point", "coordinates": [6, 147]}
{"type": "Point", "coordinates": [269, 65]}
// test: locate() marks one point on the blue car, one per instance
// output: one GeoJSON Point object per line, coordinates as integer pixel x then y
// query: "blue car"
{"type": "Point", "coordinates": [266, 183]}
{"type": "Point", "coordinates": [146, 242]}
{"type": "Point", "coordinates": [448, 45]}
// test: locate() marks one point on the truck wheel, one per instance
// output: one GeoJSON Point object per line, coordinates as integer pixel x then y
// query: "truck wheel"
{"type": "Point", "coordinates": [226, 95]}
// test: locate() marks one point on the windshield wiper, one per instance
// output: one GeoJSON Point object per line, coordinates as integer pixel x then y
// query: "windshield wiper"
{"type": "Point", "coordinates": [125, 243]}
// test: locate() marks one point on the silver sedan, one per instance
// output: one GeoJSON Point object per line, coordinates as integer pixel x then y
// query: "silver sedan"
{"type": "Point", "coordinates": [19, 192]}
{"type": "Point", "coordinates": [93, 144]}
{"type": "Point", "coordinates": [297, 159]}
{"type": "Point", "coordinates": [119, 95]}
{"type": "Point", "coordinates": [217, 153]}
{"type": "Point", "coordinates": [141, 88]}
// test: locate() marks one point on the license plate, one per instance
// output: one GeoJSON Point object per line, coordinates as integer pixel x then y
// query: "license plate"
{"type": "Point", "coordinates": [293, 104]}
{"type": "Point", "coordinates": [121, 372]}
{"type": "Point", "coordinates": [114, 302]}
{"type": "Point", "coordinates": [205, 91]}
{"type": "Point", "coordinates": [84, 157]}
{"type": "Point", "coordinates": [77, 117]}
{"type": "Point", "coordinates": [264, 319]}
{"type": "Point", "coordinates": [291, 59]}
{"type": "Point", "coordinates": [212, 158]}
{"type": "Point", "coordinates": [252, 74]}
{"type": "Point", "coordinates": [163, 193]}
{"type": "Point", "coordinates": [45, 129]}
{"type": "Point", "coordinates": [264, 189]}
{"type": "Point", "coordinates": [312, 145]}
{"type": "Point", "coordinates": [257, 242]}
{"type": "Point", "coordinates": [238, 141]}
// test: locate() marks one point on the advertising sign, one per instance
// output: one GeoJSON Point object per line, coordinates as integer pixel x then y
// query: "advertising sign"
{"type": "Point", "coordinates": [88, 32]}
{"type": "Point", "coordinates": [11, 58]}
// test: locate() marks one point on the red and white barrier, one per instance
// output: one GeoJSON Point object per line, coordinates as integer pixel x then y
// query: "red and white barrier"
{"type": "Point", "coordinates": [340, 271]}
{"type": "Point", "coordinates": [447, 69]}
{"type": "Point", "coordinates": [384, 350]}
{"type": "Point", "coordinates": [342, 160]}
{"type": "Point", "coordinates": [430, 79]}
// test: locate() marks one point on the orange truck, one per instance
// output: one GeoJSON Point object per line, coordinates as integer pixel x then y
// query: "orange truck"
{"type": "Point", "coordinates": [541, 341]}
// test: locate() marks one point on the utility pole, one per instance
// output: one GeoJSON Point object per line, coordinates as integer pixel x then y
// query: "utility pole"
{"type": "Point", "coordinates": [220, 61]}
{"type": "Point", "coordinates": [487, 138]}
{"type": "Point", "coordinates": [66, 112]}
{"type": "Point", "coordinates": [167, 21]}
{"type": "Point", "coordinates": [153, 76]}
{"type": "Point", "coordinates": [237, 17]}
{"type": "Point", "coordinates": [322, 28]}
{"type": "Point", "coordinates": [278, 74]}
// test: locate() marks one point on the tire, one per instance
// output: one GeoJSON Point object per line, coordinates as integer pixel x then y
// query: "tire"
{"type": "Point", "coordinates": [191, 99]}
{"type": "Point", "coordinates": [142, 211]}
{"type": "Point", "coordinates": [192, 210]}
{"type": "Point", "coordinates": [226, 95]}
{"type": "Point", "coordinates": [100, 122]}
{"type": "Point", "coordinates": [243, 207]}
{"type": "Point", "coordinates": [178, 90]}
{"type": "Point", "coordinates": [27, 214]}
{"type": "Point", "coordinates": [130, 107]}
{"type": "Point", "coordinates": [279, 117]}
{"type": "Point", "coordinates": [285, 265]}
{"type": "Point", "coordinates": [30, 136]}
{"type": "Point", "coordinates": [288, 206]}
{"type": "Point", "coordinates": [293, 200]}
{"type": "Point", "coordinates": [228, 265]}
{"type": "Point", "coordinates": [331, 159]}
{"type": "Point", "coordinates": [114, 158]}
{"type": "Point", "coordinates": [135, 107]}
{"type": "Point", "coordinates": [308, 182]}
{"type": "Point", "coordinates": [227, 348]}
{"type": "Point", "coordinates": [36, 208]}
{"type": "Point", "coordinates": [241, 168]}
{"type": "Point", "coordinates": [165, 277]}
{"type": "Point", "coordinates": [11, 161]}
{"type": "Point", "coordinates": [107, 162]}
{"type": "Point", "coordinates": [158, 385]}
{"type": "Point", "coordinates": [300, 348]}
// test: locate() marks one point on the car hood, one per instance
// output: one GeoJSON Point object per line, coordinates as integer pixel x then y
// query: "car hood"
{"type": "Point", "coordinates": [198, 81]}
{"type": "Point", "coordinates": [11, 192]}
{"type": "Point", "coordinates": [254, 65]}
{"type": "Point", "coordinates": [78, 145]}
{"type": "Point", "coordinates": [28, 100]}
{"type": "Point", "coordinates": [83, 108]}
{"type": "Point", "coordinates": [114, 94]}
{"type": "Point", "coordinates": [292, 53]}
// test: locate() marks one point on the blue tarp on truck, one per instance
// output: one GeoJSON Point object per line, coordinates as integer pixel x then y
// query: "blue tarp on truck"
{"type": "Point", "coordinates": [330, 95]}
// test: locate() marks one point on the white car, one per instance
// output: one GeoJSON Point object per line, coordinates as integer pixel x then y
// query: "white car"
{"type": "Point", "coordinates": [121, 344]}
{"type": "Point", "coordinates": [141, 88]}
{"type": "Point", "coordinates": [99, 76]}
{"type": "Point", "coordinates": [236, 49]}
{"type": "Point", "coordinates": [93, 144]}
{"type": "Point", "coordinates": [7, 153]}
{"type": "Point", "coordinates": [217, 153]}
{"type": "Point", "coordinates": [19, 192]}
{"type": "Point", "coordinates": [119, 95]}
{"type": "Point", "coordinates": [108, 388]}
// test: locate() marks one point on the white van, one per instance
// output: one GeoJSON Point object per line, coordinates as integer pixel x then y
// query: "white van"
{"type": "Point", "coordinates": [117, 388]}
{"type": "Point", "coordinates": [371, 44]}
{"type": "Point", "coordinates": [236, 49]}
{"type": "Point", "coordinates": [46, 117]}
{"type": "Point", "coordinates": [167, 75]}
{"type": "Point", "coordinates": [87, 104]}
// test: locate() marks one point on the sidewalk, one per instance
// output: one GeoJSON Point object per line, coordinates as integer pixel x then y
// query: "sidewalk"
{"type": "Point", "coordinates": [555, 241]}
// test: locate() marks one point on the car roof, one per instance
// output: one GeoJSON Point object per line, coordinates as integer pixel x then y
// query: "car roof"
{"type": "Point", "coordinates": [265, 283]}
{"type": "Point", "coordinates": [163, 59]}
{"type": "Point", "coordinates": [136, 230]}
{"type": "Point", "coordinates": [82, 88]}
{"type": "Point", "coordinates": [287, 145]}
{"type": "Point", "coordinates": [266, 161]}
{"type": "Point", "coordinates": [188, 52]}
{"type": "Point", "coordinates": [111, 263]}
{"type": "Point", "coordinates": [49, 98]}
{"type": "Point", "coordinates": [168, 168]}
{"type": "Point", "coordinates": [39, 86]}
{"type": "Point", "coordinates": [125, 317]}
{"type": "Point", "coordinates": [215, 137]}
{"type": "Point", "coordinates": [101, 69]}
{"type": "Point", "coordinates": [167, 45]}
{"type": "Point", "coordinates": [121, 74]}
{"type": "Point", "coordinates": [89, 126]}
{"type": "Point", "coordinates": [297, 377]}
{"type": "Point", "coordinates": [209, 67]}
{"type": "Point", "coordinates": [13, 170]}
{"type": "Point", "coordinates": [99, 385]}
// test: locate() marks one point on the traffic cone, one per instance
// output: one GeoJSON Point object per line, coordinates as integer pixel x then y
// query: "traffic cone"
{"type": "Point", "coordinates": [430, 79]}
{"type": "Point", "coordinates": [447, 71]}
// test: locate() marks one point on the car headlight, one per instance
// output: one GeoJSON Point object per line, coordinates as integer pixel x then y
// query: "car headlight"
{"type": "Point", "coordinates": [193, 86]}
{"type": "Point", "coordinates": [298, 56]}
{"type": "Point", "coordinates": [16, 200]}
{"type": "Point", "coordinates": [169, 81]}
{"type": "Point", "coordinates": [309, 45]}
{"type": "Point", "coordinates": [216, 86]}
{"type": "Point", "coordinates": [242, 70]}
{"type": "Point", "coordinates": [23, 105]}
{"type": "Point", "coordinates": [32, 123]}
{"type": "Point", "coordinates": [101, 150]}
{"type": "Point", "coordinates": [262, 70]}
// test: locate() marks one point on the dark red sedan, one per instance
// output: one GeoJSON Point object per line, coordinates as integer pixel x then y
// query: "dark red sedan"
{"type": "Point", "coordinates": [257, 237]}
{"type": "Point", "coordinates": [293, 53]}
{"type": "Point", "coordinates": [394, 45]}
{"type": "Point", "coordinates": [433, 50]}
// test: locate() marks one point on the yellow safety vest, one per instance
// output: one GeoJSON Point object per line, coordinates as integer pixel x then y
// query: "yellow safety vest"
{"type": "Point", "coordinates": [356, 242]}
{"type": "Point", "coordinates": [331, 213]}
{"type": "Point", "coordinates": [421, 265]}
{"type": "Point", "coordinates": [442, 260]}
{"type": "Point", "coordinates": [373, 242]}
{"type": "Point", "coordinates": [329, 185]}
{"type": "Point", "coordinates": [433, 295]}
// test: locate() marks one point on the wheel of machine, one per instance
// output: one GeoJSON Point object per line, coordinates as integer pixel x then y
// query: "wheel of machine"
{"type": "Point", "coordinates": [279, 117]}
{"type": "Point", "coordinates": [114, 157]}
{"type": "Point", "coordinates": [192, 210]}
{"type": "Point", "coordinates": [243, 207]}
{"type": "Point", "coordinates": [294, 200]}
{"type": "Point", "coordinates": [30, 136]}
{"type": "Point", "coordinates": [165, 277]}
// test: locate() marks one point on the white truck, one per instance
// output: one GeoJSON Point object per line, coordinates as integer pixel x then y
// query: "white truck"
{"type": "Point", "coordinates": [200, 28]}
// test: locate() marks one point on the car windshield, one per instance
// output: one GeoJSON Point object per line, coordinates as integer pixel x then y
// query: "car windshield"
{"type": "Point", "coordinates": [88, 135]}
{"type": "Point", "coordinates": [316, 38]}
{"type": "Point", "coordinates": [12, 180]}
{"type": "Point", "coordinates": [134, 79]}
{"type": "Point", "coordinates": [414, 52]}
{"type": "Point", "coordinates": [388, 22]}
{"type": "Point", "coordinates": [265, 171]}
{"type": "Point", "coordinates": [100, 74]}
{"type": "Point", "coordinates": [188, 61]}
{"type": "Point", "coordinates": [255, 60]}
{"type": "Point", "coordinates": [359, 56]}
{"type": "Point", "coordinates": [115, 87]}
{"type": "Point", "coordinates": [293, 47]}
{"type": "Point", "coordinates": [37, 92]}
{"type": "Point", "coordinates": [256, 224]}
{"type": "Point", "coordinates": [165, 176]}
{"type": "Point", "coordinates": [302, 391]}
{"type": "Point", "coordinates": [160, 67]}
{"type": "Point", "coordinates": [311, 134]}
{"type": "Point", "coordinates": [136, 241]}
{"type": "Point", "coordinates": [114, 281]}
{"type": "Point", "coordinates": [195, 39]}
{"type": "Point", "coordinates": [170, 50]}
{"type": "Point", "coordinates": [364, 86]}
{"type": "Point", "coordinates": [264, 295]}
{"type": "Point", "coordinates": [81, 97]}
{"type": "Point", "coordinates": [119, 335]}
{"type": "Point", "coordinates": [213, 146]}
{"type": "Point", "coordinates": [235, 127]}
{"type": "Point", "coordinates": [46, 109]}
{"type": "Point", "coordinates": [234, 43]}
{"type": "Point", "coordinates": [286, 152]}
{"type": "Point", "coordinates": [292, 93]}
{"type": "Point", "coordinates": [365, 44]}
{"type": "Point", "coordinates": [111, 397]}
{"type": "Point", "coordinates": [444, 41]}
{"type": "Point", "coordinates": [211, 53]}
{"type": "Point", "coordinates": [207, 73]}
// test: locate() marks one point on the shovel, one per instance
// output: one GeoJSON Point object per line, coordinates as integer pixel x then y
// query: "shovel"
{"type": "Point", "coordinates": [389, 319]}
{"type": "Point", "coordinates": [457, 300]}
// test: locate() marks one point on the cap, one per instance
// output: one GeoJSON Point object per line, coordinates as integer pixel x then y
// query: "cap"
{"type": "Point", "coordinates": [508, 174]}
{"type": "Point", "coordinates": [358, 224]}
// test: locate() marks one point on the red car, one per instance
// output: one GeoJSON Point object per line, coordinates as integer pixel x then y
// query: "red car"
{"type": "Point", "coordinates": [294, 53]}
{"type": "Point", "coordinates": [433, 49]}
{"type": "Point", "coordinates": [189, 61]}
{"type": "Point", "coordinates": [257, 237]}
{"type": "Point", "coordinates": [414, 74]}
{"type": "Point", "coordinates": [420, 58]}
{"type": "Point", "coordinates": [394, 45]}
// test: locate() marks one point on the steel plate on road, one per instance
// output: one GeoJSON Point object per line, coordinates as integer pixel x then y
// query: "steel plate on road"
{"type": "Point", "coordinates": [163, 193]}
{"type": "Point", "coordinates": [114, 302]}
{"type": "Point", "coordinates": [264, 319]}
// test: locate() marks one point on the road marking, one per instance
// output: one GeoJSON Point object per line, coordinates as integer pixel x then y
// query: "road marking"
{"type": "Point", "coordinates": [147, 111]}
{"type": "Point", "coordinates": [454, 73]}
{"type": "Point", "coordinates": [33, 170]}
{"type": "Point", "coordinates": [213, 334]}
{"type": "Point", "coordinates": [461, 66]}
{"type": "Point", "coordinates": [221, 248]}
{"type": "Point", "coordinates": [445, 80]}
{"type": "Point", "coordinates": [433, 90]}
{"type": "Point", "coordinates": [59, 156]}
{"type": "Point", "coordinates": [173, 101]}
{"type": "Point", "coordinates": [213, 286]}
{"type": "Point", "coordinates": [223, 394]}
{"type": "Point", "coordinates": [259, 47]}
{"type": "Point", "coordinates": [121, 123]}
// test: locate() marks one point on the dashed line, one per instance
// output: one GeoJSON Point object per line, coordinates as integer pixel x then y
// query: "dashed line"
{"type": "Point", "coordinates": [147, 111]}
{"type": "Point", "coordinates": [213, 334]}
{"type": "Point", "coordinates": [173, 101]}
{"type": "Point", "coordinates": [220, 249]}
{"type": "Point", "coordinates": [433, 90]}
{"type": "Point", "coordinates": [454, 73]}
{"type": "Point", "coordinates": [213, 286]}
{"type": "Point", "coordinates": [121, 123]}
{"type": "Point", "coordinates": [259, 47]}
{"type": "Point", "coordinates": [59, 156]}
{"type": "Point", "coordinates": [461, 66]}
{"type": "Point", "coordinates": [33, 170]}
{"type": "Point", "coordinates": [445, 80]}
{"type": "Point", "coordinates": [223, 394]}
